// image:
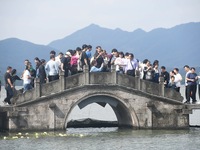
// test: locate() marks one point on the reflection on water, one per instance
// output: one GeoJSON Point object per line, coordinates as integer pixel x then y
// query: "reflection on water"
{"type": "Point", "coordinates": [104, 138]}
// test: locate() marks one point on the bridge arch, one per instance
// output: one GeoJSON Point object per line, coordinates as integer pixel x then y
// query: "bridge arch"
{"type": "Point", "coordinates": [125, 116]}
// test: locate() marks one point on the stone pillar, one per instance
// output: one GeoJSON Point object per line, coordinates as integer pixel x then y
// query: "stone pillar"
{"type": "Point", "coordinates": [86, 74]}
{"type": "Point", "coordinates": [52, 117]}
{"type": "Point", "coordinates": [137, 76]}
{"type": "Point", "coordinates": [149, 110]}
{"type": "Point", "coordinates": [62, 80]}
{"type": "Point", "coordinates": [114, 74]}
{"type": "Point", "coordinates": [113, 68]}
{"type": "Point", "coordinates": [37, 88]}
{"type": "Point", "coordinates": [161, 86]}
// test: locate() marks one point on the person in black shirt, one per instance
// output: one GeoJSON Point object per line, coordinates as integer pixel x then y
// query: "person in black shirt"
{"type": "Point", "coordinates": [41, 72]}
{"type": "Point", "coordinates": [14, 76]}
{"type": "Point", "coordinates": [8, 85]}
{"type": "Point", "coordinates": [112, 58]}
{"type": "Point", "coordinates": [98, 57]}
{"type": "Point", "coordinates": [37, 65]}
{"type": "Point", "coordinates": [65, 63]}
{"type": "Point", "coordinates": [84, 59]}
{"type": "Point", "coordinates": [165, 75]}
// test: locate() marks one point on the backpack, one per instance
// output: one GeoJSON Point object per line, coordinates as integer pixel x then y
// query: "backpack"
{"type": "Point", "coordinates": [74, 61]}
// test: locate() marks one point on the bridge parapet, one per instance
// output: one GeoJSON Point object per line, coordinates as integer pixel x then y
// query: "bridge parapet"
{"type": "Point", "coordinates": [48, 88]}
{"type": "Point", "coordinates": [97, 78]}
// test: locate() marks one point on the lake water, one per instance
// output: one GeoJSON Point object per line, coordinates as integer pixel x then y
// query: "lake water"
{"type": "Point", "coordinates": [103, 138]}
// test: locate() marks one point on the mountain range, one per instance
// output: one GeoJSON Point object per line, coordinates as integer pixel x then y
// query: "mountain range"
{"type": "Point", "coordinates": [173, 47]}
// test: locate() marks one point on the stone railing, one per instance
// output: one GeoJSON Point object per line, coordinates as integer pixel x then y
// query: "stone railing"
{"type": "Point", "coordinates": [97, 78]}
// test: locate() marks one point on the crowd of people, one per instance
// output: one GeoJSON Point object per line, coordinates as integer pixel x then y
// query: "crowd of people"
{"type": "Point", "coordinates": [73, 61]}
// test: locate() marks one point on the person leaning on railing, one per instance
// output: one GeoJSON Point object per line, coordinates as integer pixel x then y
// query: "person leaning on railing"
{"type": "Point", "coordinates": [94, 67]}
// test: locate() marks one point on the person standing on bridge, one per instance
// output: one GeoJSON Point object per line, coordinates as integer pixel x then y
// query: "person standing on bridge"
{"type": "Point", "coordinates": [120, 63]}
{"type": "Point", "coordinates": [148, 71]}
{"type": "Point", "coordinates": [37, 65]}
{"type": "Point", "coordinates": [32, 71]}
{"type": "Point", "coordinates": [172, 83]}
{"type": "Point", "coordinates": [132, 65]}
{"type": "Point", "coordinates": [14, 78]}
{"type": "Point", "coordinates": [53, 53]}
{"type": "Point", "coordinates": [58, 59]}
{"type": "Point", "coordinates": [83, 57]}
{"type": "Point", "coordinates": [41, 72]}
{"type": "Point", "coordinates": [94, 67]}
{"type": "Point", "coordinates": [187, 70]}
{"type": "Point", "coordinates": [192, 85]}
{"type": "Point", "coordinates": [98, 57]}
{"type": "Point", "coordinates": [156, 71]}
{"type": "Point", "coordinates": [165, 75]}
{"type": "Point", "coordinates": [88, 52]}
{"type": "Point", "coordinates": [74, 62]}
{"type": "Point", "coordinates": [65, 63]}
{"type": "Point", "coordinates": [52, 69]}
{"type": "Point", "coordinates": [178, 79]}
{"type": "Point", "coordinates": [27, 79]}
{"type": "Point", "coordinates": [8, 85]}
{"type": "Point", "coordinates": [112, 58]}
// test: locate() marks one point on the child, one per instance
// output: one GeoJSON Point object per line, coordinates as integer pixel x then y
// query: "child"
{"type": "Point", "coordinates": [172, 84]}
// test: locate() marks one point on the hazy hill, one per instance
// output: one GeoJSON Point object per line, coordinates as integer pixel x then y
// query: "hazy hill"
{"type": "Point", "coordinates": [15, 51]}
{"type": "Point", "coordinates": [176, 46]}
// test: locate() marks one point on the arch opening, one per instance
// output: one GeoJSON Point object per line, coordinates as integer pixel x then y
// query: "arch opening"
{"type": "Point", "coordinates": [112, 107]}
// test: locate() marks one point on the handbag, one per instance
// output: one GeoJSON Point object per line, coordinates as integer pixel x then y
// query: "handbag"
{"type": "Point", "coordinates": [131, 72]}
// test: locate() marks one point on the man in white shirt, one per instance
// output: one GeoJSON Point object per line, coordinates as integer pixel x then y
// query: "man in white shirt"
{"type": "Point", "coordinates": [27, 79]}
{"type": "Point", "coordinates": [52, 69]}
{"type": "Point", "coordinates": [187, 70]}
{"type": "Point", "coordinates": [132, 65]}
{"type": "Point", "coordinates": [178, 79]}
{"type": "Point", "coordinates": [58, 59]}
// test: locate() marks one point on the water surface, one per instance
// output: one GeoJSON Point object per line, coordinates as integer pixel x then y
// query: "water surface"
{"type": "Point", "coordinates": [105, 138]}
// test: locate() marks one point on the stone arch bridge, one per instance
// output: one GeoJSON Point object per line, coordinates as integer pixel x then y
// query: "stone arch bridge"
{"type": "Point", "coordinates": [137, 103]}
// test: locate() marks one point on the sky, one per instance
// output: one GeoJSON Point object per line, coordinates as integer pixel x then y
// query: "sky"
{"type": "Point", "coordinates": [43, 21]}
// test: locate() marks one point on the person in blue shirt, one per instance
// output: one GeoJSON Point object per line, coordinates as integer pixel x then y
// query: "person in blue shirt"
{"type": "Point", "coordinates": [88, 52]}
{"type": "Point", "coordinates": [94, 67]}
